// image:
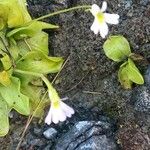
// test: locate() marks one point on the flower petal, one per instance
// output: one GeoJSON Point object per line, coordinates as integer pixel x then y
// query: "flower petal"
{"type": "Point", "coordinates": [55, 117]}
{"type": "Point", "coordinates": [111, 18]}
{"type": "Point", "coordinates": [95, 27]}
{"type": "Point", "coordinates": [62, 115]}
{"type": "Point", "coordinates": [48, 119]}
{"type": "Point", "coordinates": [67, 110]}
{"type": "Point", "coordinates": [103, 29]}
{"type": "Point", "coordinates": [95, 9]}
{"type": "Point", "coordinates": [104, 6]}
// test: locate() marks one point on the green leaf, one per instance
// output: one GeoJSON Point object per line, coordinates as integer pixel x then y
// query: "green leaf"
{"type": "Point", "coordinates": [4, 122]}
{"type": "Point", "coordinates": [36, 61]}
{"type": "Point", "coordinates": [15, 11]}
{"type": "Point", "coordinates": [2, 24]}
{"type": "Point", "coordinates": [14, 98]}
{"type": "Point", "coordinates": [133, 73]}
{"type": "Point", "coordinates": [3, 14]}
{"type": "Point", "coordinates": [14, 50]}
{"type": "Point", "coordinates": [117, 48]}
{"type": "Point", "coordinates": [35, 94]}
{"type": "Point", "coordinates": [6, 62]}
{"type": "Point", "coordinates": [33, 88]}
{"type": "Point", "coordinates": [123, 76]}
{"type": "Point", "coordinates": [30, 29]}
{"type": "Point", "coordinates": [7, 65]}
{"type": "Point", "coordinates": [39, 42]}
{"type": "Point", "coordinates": [129, 73]}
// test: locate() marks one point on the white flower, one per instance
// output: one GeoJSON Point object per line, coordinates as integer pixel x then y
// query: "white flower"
{"type": "Point", "coordinates": [59, 111]}
{"type": "Point", "coordinates": [101, 19]}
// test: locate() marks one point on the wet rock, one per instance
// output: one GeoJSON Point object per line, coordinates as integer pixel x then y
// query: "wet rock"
{"type": "Point", "coordinates": [48, 147]}
{"type": "Point", "coordinates": [89, 135]}
{"type": "Point", "coordinates": [50, 133]}
{"type": "Point", "coordinates": [147, 77]}
{"type": "Point", "coordinates": [141, 99]}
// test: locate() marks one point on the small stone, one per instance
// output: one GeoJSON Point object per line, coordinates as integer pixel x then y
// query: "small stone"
{"type": "Point", "coordinates": [50, 133]}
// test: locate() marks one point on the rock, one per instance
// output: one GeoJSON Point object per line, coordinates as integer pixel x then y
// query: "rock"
{"type": "Point", "coordinates": [48, 147]}
{"type": "Point", "coordinates": [89, 135]}
{"type": "Point", "coordinates": [97, 143]}
{"type": "Point", "coordinates": [147, 77]}
{"type": "Point", "coordinates": [141, 99]}
{"type": "Point", "coordinates": [50, 133]}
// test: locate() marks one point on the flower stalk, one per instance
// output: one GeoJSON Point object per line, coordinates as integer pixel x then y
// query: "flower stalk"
{"type": "Point", "coordinates": [59, 111]}
{"type": "Point", "coordinates": [63, 11]}
{"type": "Point", "coordinates": [52, 92]}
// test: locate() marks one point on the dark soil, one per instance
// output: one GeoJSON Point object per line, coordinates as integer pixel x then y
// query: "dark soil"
{"type": "Point", "coordinates": [89, 70]}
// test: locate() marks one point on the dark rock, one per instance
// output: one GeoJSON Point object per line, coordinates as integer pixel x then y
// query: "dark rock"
{"type": "Point", "coordinates": [147, 77]}
{"type": "Point", "coordinates": [50, 133]}
{"type": "Point", "coordinates": [48, 147]}
{"type": "Point", "coordinates": [141, 99]}
{"type": "Point", "coordinates": [89, 135]}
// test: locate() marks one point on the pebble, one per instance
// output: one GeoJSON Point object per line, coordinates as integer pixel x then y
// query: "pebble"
{"type": "Point", "coordinates": [50, 133]}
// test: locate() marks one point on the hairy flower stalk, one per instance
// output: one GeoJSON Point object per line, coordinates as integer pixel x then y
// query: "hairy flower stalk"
{"type": "Point", "coordinates": [101, 19]}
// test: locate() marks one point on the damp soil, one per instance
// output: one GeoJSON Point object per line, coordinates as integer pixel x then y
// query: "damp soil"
{"type": "Point", "coordinates": [89, 78]}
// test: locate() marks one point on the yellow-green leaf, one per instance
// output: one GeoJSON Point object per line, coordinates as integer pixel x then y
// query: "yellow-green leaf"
{"type": "Point", "coordinates": [14, 98]}
{"type": "Point", "coordinates": [39, 42]}
{"type": "Point", "coordinates": [38, 62]}
{"type": "Point", "coordinates": [17, 13]}
{"type": "Point", "coordinates": [134, 73]}
{"type": "Point", "coordinates": [37, 103]}
{"type": "Point", "coordinates": [117, 48]}
{"type": "Point", "coordinates": [5, 78]}
{"type": "Point", "coordinates": [123, 77]}
{"type": "Point", "coordinates": [4, 122]}
{"type": "Point", "coordinates": [30, 29]}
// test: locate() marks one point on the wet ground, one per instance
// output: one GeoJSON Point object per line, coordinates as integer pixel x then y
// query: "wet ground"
{"type": "Point", "coordinates": [89, 78]}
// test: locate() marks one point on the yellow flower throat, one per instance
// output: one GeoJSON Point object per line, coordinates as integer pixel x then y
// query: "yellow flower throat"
{"type": "Point", "coordinates": [100, 17]}
{"type": "Point", "coordinates": [56, 104]}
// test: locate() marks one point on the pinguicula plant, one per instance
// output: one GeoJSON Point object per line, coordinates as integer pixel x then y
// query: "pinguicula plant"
{"type": "Point", "coordinates": [117, 48]}
{"type": "Point", "coordinates": [25, 63]}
